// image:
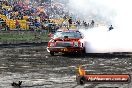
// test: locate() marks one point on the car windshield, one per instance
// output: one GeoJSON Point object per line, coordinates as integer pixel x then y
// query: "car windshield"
{"type": "Point", "coordinates": [68, 34]}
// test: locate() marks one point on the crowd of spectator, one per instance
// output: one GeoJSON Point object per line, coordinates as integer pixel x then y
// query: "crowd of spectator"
{"type": "Point", "coordinates": [31, 12]}
{"type": "Point", "coordinates": [85, 24]}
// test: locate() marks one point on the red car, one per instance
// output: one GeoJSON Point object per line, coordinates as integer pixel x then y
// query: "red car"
{"type": "Point", "coordinates": [66, 41]}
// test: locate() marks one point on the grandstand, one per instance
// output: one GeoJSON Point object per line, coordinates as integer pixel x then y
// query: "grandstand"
{"type": "Point", "coordinates": [20, 12]}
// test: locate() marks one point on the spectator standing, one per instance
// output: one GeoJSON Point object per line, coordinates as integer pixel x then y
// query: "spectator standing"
{"type": "Point", "coordinates": [37, 24]}
{"type": "Point", "coordinates": [17, 25]}
{"type": "Point", "coordinates": [7, 27]}
{"type": "Point", "coordinates": [78, 23]}
{"type": "Point", "coordinates": [110, 28]}
{"type": "Point", "coordinates": [92, 23]}
{"type": "Point", "coordinates": [70, 21]}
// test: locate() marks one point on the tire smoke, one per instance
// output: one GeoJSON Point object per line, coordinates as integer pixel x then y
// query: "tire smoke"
{"type": "Point", "coordinates": [115, 12]}
{"type": "Point", "coordinates": [100, 40]}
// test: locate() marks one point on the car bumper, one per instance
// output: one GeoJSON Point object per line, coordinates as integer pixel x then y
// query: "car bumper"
{"type": "Point", "coordinates": [64, 49]}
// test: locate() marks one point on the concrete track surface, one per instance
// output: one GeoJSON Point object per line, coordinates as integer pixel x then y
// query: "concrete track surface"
{"type": "Point", "coordinates": [37, 69]}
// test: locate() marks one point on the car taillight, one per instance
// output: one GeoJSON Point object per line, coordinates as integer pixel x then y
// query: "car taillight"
{"type": "Point", "coordinates": [51, 44]}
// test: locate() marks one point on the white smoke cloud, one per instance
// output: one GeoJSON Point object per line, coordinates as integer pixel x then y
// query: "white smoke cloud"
{"type": "Point", "coordinates": [91, 9]}
{"type": "Point", "coordinates": [115, 12]}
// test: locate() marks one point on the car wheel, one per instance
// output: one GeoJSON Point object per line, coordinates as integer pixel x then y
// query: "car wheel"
{"type": "Point", "coordinates": [52, 53]}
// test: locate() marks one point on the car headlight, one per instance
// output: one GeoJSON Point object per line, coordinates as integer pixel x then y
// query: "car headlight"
{"type": "Point", "coordinates": [52, 44]}
{"type": "Point", "coordinates": [75, 44]}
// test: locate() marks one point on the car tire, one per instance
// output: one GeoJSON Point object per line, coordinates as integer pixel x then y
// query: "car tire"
{"type": "Point", "coordinates": [52, 53]}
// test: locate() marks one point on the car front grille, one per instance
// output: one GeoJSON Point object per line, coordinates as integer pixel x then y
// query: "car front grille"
{"type": "Point", "coordinates": [64, 44]}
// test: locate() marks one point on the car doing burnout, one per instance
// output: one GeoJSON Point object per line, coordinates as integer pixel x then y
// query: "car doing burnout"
{"type": "Point", "coordinates": [68, 41]}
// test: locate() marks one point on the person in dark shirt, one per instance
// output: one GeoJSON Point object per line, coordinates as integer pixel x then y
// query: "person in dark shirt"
{"type": "Point", "coordinates": [92, 23]}
{"type": "Point", "coordinates": [111, 27]}
{"type": "Point", "coordinates": [70, 21]}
